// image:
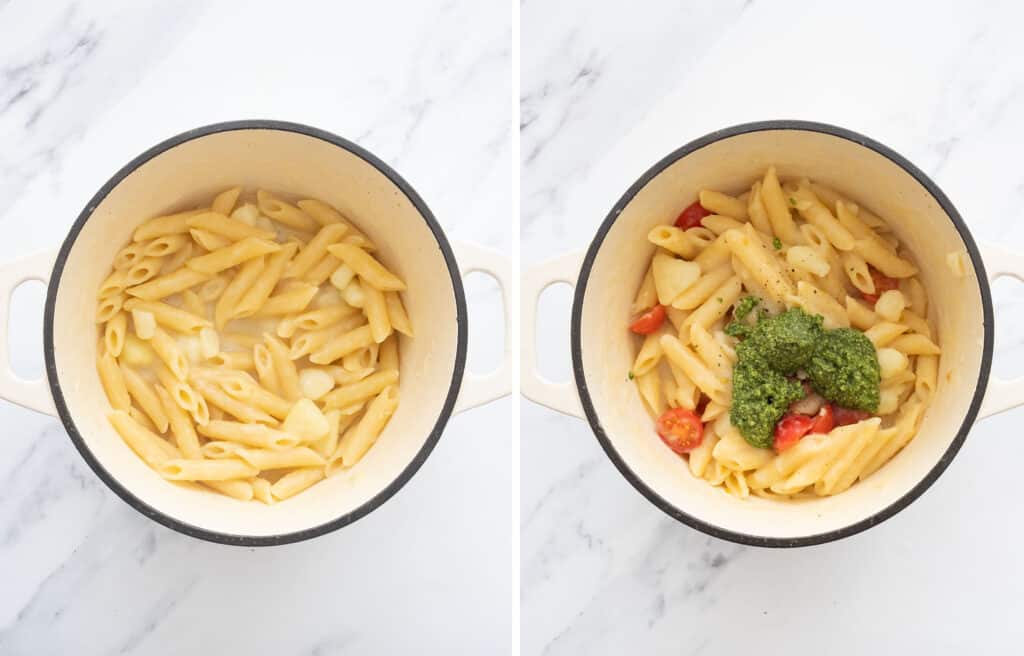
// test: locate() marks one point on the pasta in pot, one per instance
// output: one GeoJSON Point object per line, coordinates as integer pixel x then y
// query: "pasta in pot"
{"type": "Point", "coordinates": [226, 341]}
{"type": "Point", "coordinates": [789, 355]}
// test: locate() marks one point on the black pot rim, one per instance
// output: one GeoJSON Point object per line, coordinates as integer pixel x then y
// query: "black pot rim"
{"type": "Point", "coordinates": [577, 355]}
{"type": "Point", "coordinates": [406, 474]}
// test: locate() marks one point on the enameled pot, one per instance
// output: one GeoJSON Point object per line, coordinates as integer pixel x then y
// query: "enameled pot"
{"type": "Point", "coordinates": [608, 274]}
{"type": "Point", "coordinates": [293, 159]}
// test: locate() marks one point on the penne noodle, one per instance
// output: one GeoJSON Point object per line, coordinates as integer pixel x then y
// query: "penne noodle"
{"type": "Point", "coordinates": [284, 213]}
{"type": "Point", "coordinates": [114, 284]}
{"type": "Point", "coordinates": [112, 380]}
{"type": "Point", "coordinates": [168, 284]}
{"type": "Point", "coordinates": [205, 470]}
{"type": "Point", "coordinates": [342, 345]}
{"type": "Point", "coordinates": [145, 396]}
{"type": "Point", "coordinates": [181, 425]}
{"type": "Point", "coordinates": [357, 441]}
{"type": "Point", "coordinates": [284, 368]}
{"type": "Point", "coordinates": [818, 215]}
{"type": "Point", "coordinates": [114, 333]}
{"type": "Point", "coordinates": [293, 301]}
{"type": "Point", "coordinates": [261, 491]}
{"type": "Point", "coordinates": [170, 353]}
{"type": "Point", "coordinates": [230, 229]}
{"type": "Point", "coordinates": [315, 250]}
{"type": "Point", "coordinates": [719, 203]}
{"type": "Point", "coordinates": [296, 481]}
{"type": "Point", "coordinates": [324, 214]}
{"type": "Point", "coordinates": [351, 393]}
{"type": "Point", "coordinates": [260, 289]}
{"type": "Point", "coordinates": [376, 309]}
{"type": "Point", "coordinates": [209, 240]}
{"type": "Point", "coordinates": [128, 256]}
{"type": "Point", "coordinates": [264, 366]}
{"type": "Point", "coordinates": [176, 260]}
{"type": "Point", "coordinates": [757, 212]}
{"type": "Point", "coordinates": [263, 459]}
{"type": "Point", "coordinates": [109, 307]}
{"type": "Point", "coordinates": [224, 202]}
{"type": "Point", "coordinates": [168, 316]}
{"type": "Point", "coordinates": [777, 208]}
{"type": "Point", "coordinates": [256, 435]}
{"type": "Point", "coordinates": [236, 489]}
{"type": "Point", "coordinates": [149, 446]}
{"type": "Point", "coordinates": [170, 224]}
{"type": "Point", "coordinates": [366, 267]}
{"type": "Point", "coordinates": [240, 360]}
{"type": "Point", "coordinates": [228, 301]}
{"type": "Point", "coordinates": [233, 255]}
{"type": "Point", "coordinates": [217, 397]}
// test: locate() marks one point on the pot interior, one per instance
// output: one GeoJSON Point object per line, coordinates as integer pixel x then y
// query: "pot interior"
{"type": "Point", "coordinates": [295, 165]}
{"type": "Point", "coordinates": [731, 165]}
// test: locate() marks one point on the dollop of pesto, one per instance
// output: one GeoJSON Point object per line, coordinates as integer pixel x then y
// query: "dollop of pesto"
{"type": "Point", "coordinates": [784, 341]}
{"type": "Point", "coordinates": [842, 366]}
{"type": "Point", "coordinates": [844, 369]}
{"type": "Point", "coordinates": [760, 397]}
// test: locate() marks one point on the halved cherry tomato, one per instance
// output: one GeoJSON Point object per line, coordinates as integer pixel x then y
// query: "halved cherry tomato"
{"type": "Point", "coordinates": [845, 416]}
{"type": "Point", "coordinates": [649, 321]}
{"type": "Point", "coordinates": [691, 216]}
{"type": "Point", "coordinates": [681, 429]}
{"type": "Point", "coordinates": [824, 421]}
{"type": "Point", "coordinates": [789, 430]}
{"type": "Point", "coordinates": [883, 283]}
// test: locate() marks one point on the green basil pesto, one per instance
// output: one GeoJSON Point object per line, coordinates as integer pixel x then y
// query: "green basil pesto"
{"type": "Point", "coordinates": [841, 364]}
{"type": "Point", "coordinates": [844, 369]}
{"type": "Point", "coordinates": [784, 341]}
{"type": "Point", "coordinates": [744, 307]}
{"type": "Point", "coordinates": [738, 327]}
{"type": "Point", "coordinates": [760, 396]}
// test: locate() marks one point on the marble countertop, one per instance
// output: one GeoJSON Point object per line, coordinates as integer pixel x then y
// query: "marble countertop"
{"type": "Point", "coordinates": [603, 570]}
{"type": "Point", "coordinates": [427, 86]}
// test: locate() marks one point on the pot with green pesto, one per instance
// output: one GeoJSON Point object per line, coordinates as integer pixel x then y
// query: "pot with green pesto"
{"type": "Point", "coordinates": [721, 328]}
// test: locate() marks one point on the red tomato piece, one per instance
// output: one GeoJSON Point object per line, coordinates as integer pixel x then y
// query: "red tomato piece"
{"type": "Point", "coordinates": [883, 283]}
{"type": "Point", "coordinates": [845, 416]}
{"type": "Point", "coordinates": [680, 429]}
{"type": "Point", "coordinates": [790, 429]}
{"type": "Point", "coordinates": [824, 421]}
{"type": "Point", "coordinates": [649, 321]}
{"type": "Point", "coordinates": [691, 216]}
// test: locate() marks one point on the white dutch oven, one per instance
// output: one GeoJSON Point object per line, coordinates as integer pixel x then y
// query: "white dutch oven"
{"type": "Point", "coordinates": [607, 276]}
{"type": "Point", "coordinates": [294, 159]}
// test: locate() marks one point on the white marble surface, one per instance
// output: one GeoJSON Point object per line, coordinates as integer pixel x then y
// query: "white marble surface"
{"type": "Point", "coordinates": [604, 571]}
{"type": "Point", "coordinates": [429, 87]}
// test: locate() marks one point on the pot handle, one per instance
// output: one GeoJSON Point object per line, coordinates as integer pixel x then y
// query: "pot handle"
{"type": "Point", "coordinates": [1002, 394]}
{"type": "Point", "coordinates": [31, 394]}
{"type": "Point", "coordinates": [557, 396]}
{"type": "Point", "coordinates": [478, 389]}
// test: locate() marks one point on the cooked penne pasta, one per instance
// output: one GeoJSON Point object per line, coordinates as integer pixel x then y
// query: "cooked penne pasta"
{"type": "Point", "coordinates": [284, 213]}
{"type": "Point", "coordinates": [228, 228]}
{"type": "Point", "coordinates": [797, 358]}
{"type": "Point", "coordinates": [314, 317]}
{"type": "Point", "coordinates": [366, 267]}
{"type": "Point", "coordinates": [149, 446]}
{"type": "Point", "coordinates": [251, 434]}
{"type": "Point", "coordinates": [356, 442]}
